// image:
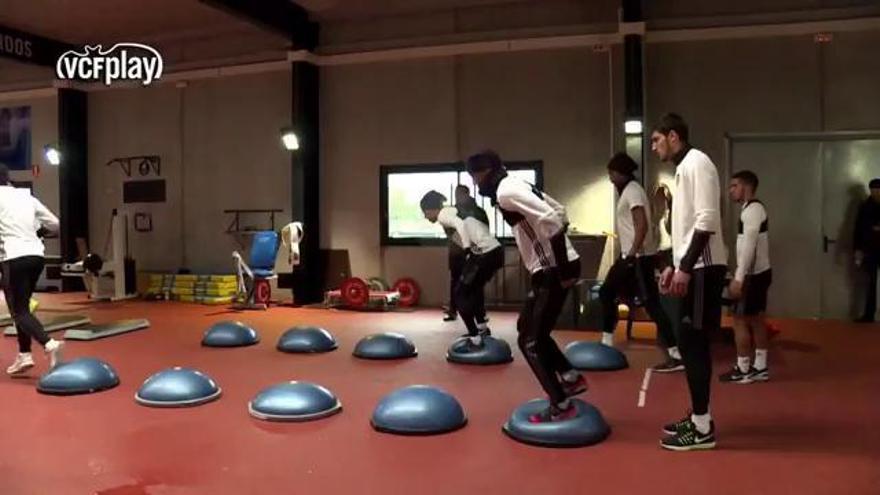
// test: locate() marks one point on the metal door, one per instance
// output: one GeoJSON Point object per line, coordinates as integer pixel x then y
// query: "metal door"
{"type": "Point", "coordinates": [848, 166]}
{"type": "Point", "coordinates": [811, 184]}
{"type": "Point", "coordinates": [789, 175]}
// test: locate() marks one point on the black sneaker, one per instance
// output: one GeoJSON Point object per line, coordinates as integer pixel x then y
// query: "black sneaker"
{"type": "Point", "coordinates": [671, 365]}
{"type": "Point", "coordinates": [757, 375]}
{"type": "Point", "coordinates": [865, 319]}
{"type": "Point", "coordinates": [674, 428]}
{"type": "Point", "coordinates": [735, 376]}
{"type": "Point", "coordinates": [688, 438]}
{"type": "Point", "coordinates": [449, 317]}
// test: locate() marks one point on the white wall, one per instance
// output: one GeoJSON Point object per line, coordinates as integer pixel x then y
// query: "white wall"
{"type": "Point", "coordinates": [233, 159]}
{"type": "Point", "coordinates": [483, 22]}
{"type": "Point", "coordinates": [550, 105]}
{"type": "Point", "coordinates": [219, 144]}
{"type": "Point", "coordinates": [127, 123]}
{"type": "Point", "coordinates": [376, 115]}
{"type": "Point", "coordinates": [760, 85]}
{"type": "Point", "coordinates": [770, 85]}
{"type": "Point", "coordinates": [19, 75]}
{"type": "Point", "coordinates": [852, 81]}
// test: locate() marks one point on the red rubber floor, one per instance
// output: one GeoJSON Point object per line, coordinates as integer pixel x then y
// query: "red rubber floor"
{"type": "Point", "coordinates": [811, 430]}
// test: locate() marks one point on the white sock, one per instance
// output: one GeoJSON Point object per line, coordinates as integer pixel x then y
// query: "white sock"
{"type": "Point", "coordinates": [703, 422]}
{"type": "Point", "coordinates": [476, 339]}
{"type": "Point", "coordinates": [743, 363]}
{"type": "Point", "coordinates": [571, 376]}
{"type": "Point", "coordinates": [760, 359]}
{"type": "Point", "coordinates": [24, 355]}
{"type": "Point", "coordinates": [482, 326]}
{"type": "Point", "coordinates": [564, 404]}
{"type": "Point", "coordinates": [673, 353]}
{"type": "Point", "coordinates": [608, 339]}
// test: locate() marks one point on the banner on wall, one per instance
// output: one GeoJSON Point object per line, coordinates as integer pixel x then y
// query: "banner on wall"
{"type": "Point", "coordinates": [30, 48]}
{"type": "Point", "coordinates": [15, 137]}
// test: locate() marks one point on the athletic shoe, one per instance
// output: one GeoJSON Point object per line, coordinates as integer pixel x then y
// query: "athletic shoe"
{"type": "Point", "coordinates": [553, 414]}
{"type": "Point", "coordinates": [674, 428]}
{"type": "Point", "coordinates": [757, 375]}
{"type": "Point", "coordinates": [865, 319]}
{"type": "Point", "coordinates": [449, 317]}
{"type": "Point", "coordinates": [482, 334]}
{"type": "Point", "coordinates": [23, 362]}
{"type": "Point", "coordinates": [469, 343]}
{"type": "Point", "coordinates": [576, 387]}
{"type": "Point", "coordinates": [53, 349]}
{"type": "Point", "coordinates": [671, 365]}
{"type": "Point", "coordinates": [735, 376]}
{"type": "Point", "coordinates": [688, 438]}
{"type": "Point", "coordinates": [33, 305]}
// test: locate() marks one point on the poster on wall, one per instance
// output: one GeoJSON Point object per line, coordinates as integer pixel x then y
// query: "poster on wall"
{"type": "Point", "coordinates": [15, 137]}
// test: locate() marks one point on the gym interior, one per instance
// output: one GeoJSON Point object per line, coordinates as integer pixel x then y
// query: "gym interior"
{"type": "Point", "coordinates": [252, 298]}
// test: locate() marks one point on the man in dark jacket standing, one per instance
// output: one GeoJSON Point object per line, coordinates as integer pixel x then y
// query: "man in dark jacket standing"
{"type": "Point", "coordinates": [867, 246]}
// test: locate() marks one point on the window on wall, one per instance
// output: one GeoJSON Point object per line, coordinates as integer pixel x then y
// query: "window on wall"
{"type": "Point", "coordinates": [402, 187]}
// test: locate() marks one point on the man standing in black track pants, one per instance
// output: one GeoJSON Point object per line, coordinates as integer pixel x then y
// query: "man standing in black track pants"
{"type": "Point", "coordinates": [483, 257]}
{"type": "Point", "coordinates": [457, 257]}
{"type": "Point", "coordinates": [633, 273]}
{"type": "Point", "coordinates": [697, 275]}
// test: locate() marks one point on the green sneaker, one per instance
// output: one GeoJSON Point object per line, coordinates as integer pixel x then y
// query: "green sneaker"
{"type": "Point", "coordinates": [674, 428]}
{"type": "Point", "coordinates": [688, 438]}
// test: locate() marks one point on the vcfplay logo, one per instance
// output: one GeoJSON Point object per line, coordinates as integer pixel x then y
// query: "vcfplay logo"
{"type": "Point", "coordinates": [122, 62]}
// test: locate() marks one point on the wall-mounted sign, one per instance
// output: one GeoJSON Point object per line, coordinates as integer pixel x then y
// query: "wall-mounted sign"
{"type": "Point", "coordinates": [27, 47]}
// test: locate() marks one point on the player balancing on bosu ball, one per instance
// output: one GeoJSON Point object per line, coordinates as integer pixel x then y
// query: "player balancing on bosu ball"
{"type": "Point", "coordinates": [484, 256]}
{"type": "Point", "coordinates": [539, 226]}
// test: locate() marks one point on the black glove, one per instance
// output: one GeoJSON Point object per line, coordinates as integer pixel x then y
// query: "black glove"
{"type": "Point", "coordinates": [44, 233]}
{"type": "Point", "coordinates": [570, 270]}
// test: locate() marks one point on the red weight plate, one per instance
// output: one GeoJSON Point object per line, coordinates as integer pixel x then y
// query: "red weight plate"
{"type": "Point", "coordinates": [262, 292]}
{"type": "Point", "coordinates": [409, 292]}
{"type": "Point", "coordinates": [355, 292]}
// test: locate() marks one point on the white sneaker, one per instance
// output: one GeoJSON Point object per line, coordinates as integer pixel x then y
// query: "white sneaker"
{"type": "Point", "coordinates": [53, 349]}
{"type": "Point", "coordinates": [23, 362]}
